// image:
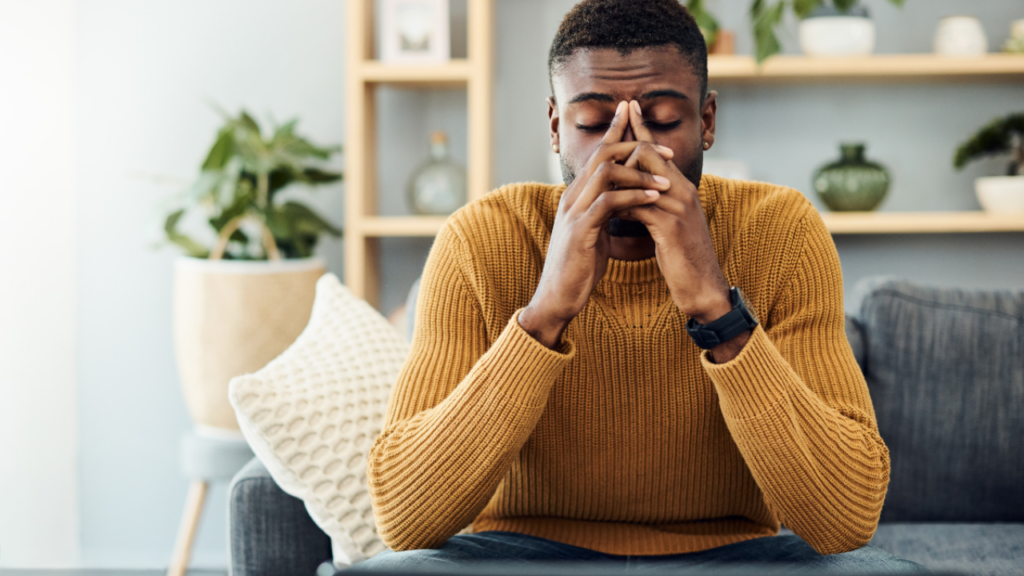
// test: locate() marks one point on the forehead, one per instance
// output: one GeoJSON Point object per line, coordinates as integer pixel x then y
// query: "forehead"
{"type": "Point", "coordinates": [625, 76]}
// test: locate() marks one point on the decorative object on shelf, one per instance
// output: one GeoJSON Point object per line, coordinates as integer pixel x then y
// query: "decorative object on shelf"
{"type": "Point", "coordinates": [960, 36]}
{"type": "Point", "coordinates": [852, 183]}
{"type": "Point", "coordinates": [415, 32]}
{"type": "Point", "coordinates": [766, 15]}
{"type": "Point", "coordinates": [240, 303]}
{"type": "Point", "coordinates": [725, 43]}
{"type": "Point", "coordinates": [438, 187]}
{"type": "Point", "coordinates": [998, 194]}
{"type": "Point", "coordinates": [831, 32]}
{"type": "Point", "coordinates": [1015, 43]}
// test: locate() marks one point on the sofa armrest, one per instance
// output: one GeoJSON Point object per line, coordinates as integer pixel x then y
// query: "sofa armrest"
{"type": "Point", "coordinates": [855, 336]}
{"type": "Point", "coordinates": [271, 532]}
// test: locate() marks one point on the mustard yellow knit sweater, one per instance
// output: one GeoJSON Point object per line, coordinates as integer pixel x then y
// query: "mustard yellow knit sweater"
{"type": "Point", "coordinates": [627, 440]}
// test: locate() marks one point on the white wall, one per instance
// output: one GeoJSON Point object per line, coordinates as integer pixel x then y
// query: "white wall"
{"type": "Point", "coordinates": [145, 73]}
{"type": "Point", "coordinates": [38, 271]}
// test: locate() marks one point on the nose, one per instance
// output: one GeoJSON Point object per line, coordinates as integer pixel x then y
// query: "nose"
{"type": "Point", "coordinates": [628, 135]}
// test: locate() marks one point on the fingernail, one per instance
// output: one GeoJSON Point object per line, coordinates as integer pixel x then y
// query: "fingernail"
{"type": "Point", "coordinates": [652, 193]}
{"type": "Point", "coordinates": [661, 180]}
{"type": "Point", "coordinates": [636, 106]}
{"type": "Point", "coordinates": [666, 150]}
{"type": "Point", "coordinates": [620, 107]}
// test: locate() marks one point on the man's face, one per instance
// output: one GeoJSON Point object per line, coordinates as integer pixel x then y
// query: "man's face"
{"type": "Point", "coordinates": [590, 85]}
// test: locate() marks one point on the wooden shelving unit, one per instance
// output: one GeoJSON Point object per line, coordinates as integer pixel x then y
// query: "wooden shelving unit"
{"type": "Point", "coordinates": [921, 222]}
{"type": "Point", "coordinates": [363, 228]}
{"type": "Point", "coordinates": [881, 67]}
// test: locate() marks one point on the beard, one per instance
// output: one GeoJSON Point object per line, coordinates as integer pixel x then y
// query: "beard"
{"type": "Point", "coordinates": [621, 227]}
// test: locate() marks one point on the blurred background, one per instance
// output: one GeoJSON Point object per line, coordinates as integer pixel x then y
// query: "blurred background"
{"type": "Point", "coordinates": [105, 114]}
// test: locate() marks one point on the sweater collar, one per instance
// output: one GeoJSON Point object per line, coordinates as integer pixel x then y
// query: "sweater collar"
{"type": "Point", "coordinates": [632, 271]}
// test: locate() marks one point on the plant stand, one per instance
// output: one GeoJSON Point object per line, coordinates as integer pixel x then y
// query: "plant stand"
{"type": "Point", "coordinates": [206, 456]}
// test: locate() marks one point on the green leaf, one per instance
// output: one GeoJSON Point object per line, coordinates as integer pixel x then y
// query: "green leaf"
{"type": "Point", "coordinates": [190, 246]}
{"type": "Point", "coordinates": [765, 20]}
{"type": "Point", "coordinates": [844, 5]}
{"type": "Point", "coordinates": [705, 21]}
{"type": "Point", "coordinates": [803, 8]}
{"type": "Point", "coordinates": [248, 123]}
{"type": "Point", "coordinates": [993, 138]}
{"type": "Point", "coordinates": [318, 176]}
{"type": "Point", "coordinates": [222, 150]}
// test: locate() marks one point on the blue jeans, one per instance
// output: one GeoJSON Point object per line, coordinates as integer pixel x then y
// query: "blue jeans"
{"type": "Point", "coordinates": [774, 553]}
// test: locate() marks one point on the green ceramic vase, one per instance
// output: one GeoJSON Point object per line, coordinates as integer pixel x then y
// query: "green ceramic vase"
{"type": "Point", "coordinates": [851, 183]}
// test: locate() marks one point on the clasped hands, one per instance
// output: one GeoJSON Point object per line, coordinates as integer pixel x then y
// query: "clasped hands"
{"type": "Point", "coordinates": [633, 180]}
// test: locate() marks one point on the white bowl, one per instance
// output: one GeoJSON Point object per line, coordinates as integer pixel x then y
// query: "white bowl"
{"type": "Point", "coordinates": [1001, 194]}
{"type": "Point", "coordinates": [837, 36]}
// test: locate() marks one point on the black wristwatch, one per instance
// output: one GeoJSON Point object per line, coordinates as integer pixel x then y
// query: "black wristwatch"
{"type": "Point", "coordinates": [737, 321]}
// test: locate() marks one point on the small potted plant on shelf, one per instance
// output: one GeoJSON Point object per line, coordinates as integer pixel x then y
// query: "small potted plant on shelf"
{"type": "Point", "coordinates": [998, 194]}
{"type": "Point", "coordinates": [243, 297]}
{"type": "Point", "coordinates": [827, 28]}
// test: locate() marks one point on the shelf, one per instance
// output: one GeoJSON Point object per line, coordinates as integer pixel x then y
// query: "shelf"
{"type": "Point", "coordinates": [884, 67]}
{"type": "Point", "coordinates": [837, 223]}
{"type": "Point", "coordinates": [921, 222]}
{"type": "Point", "coordinates": [393, 226]}
{"type": "Point", "coordinates": [452, 73]}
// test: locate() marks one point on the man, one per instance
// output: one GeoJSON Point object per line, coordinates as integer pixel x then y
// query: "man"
{"type": "Point", "coordinates": [557, 398]}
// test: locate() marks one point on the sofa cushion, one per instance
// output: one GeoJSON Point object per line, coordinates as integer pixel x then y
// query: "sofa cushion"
{"type": "Point", "coordinates": [312, 414]}
{"type": "Point", "coordinates": [978, 549]}
{"type": "Point", "coordinates": [946, 372]}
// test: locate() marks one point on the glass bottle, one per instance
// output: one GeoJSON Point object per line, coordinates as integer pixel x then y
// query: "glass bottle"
{"type": "Point", "coordinates": [852, 183]}
{"type": "Point", "coordinates": [438, 187]}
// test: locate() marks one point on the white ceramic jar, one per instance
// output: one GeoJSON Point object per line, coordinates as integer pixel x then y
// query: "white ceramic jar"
{"type": "Point", "coordinates": [960, 36]}
{"type": "Point", "coordinates": [1001, 194]}
{"type": "Point", "coordinates": [837, 36]}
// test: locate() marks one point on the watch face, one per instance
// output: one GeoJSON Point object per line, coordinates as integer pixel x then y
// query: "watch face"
{"type": "Point", "coordinates": [748, 305]}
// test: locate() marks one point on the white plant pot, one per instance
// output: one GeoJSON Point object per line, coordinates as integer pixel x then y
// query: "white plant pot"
{"type": "Point", "coordinates": [960, 36]}
{"type": "Point", "coordinates": [232, 318]}
{"type": "Point", "coordinates": [837, 36]}
{"type": "Point", "coordinates": [1001, 194]}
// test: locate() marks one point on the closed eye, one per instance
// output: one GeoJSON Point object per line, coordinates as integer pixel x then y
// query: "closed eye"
{"type": "Point", "coordinates": [663, 126]}
{"type": "Point", "coordinates": [594, 128]}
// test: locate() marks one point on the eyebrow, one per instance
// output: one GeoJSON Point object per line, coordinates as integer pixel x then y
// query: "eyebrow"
{"type": "Point", "coordinates": [601, 97]}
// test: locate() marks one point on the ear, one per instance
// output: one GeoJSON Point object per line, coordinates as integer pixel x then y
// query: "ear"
{"type": "Point", "coordinates": [708, 113]}
{"type": "Point", "coordinates": [553, 122]}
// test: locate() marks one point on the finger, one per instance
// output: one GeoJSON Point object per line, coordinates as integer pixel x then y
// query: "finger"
{"type": "Point", "coordinates": [636, 121]}
{"type": "Point", "coordinates": [614, 201]}
{"type": "Point", "coordinates": [612, 176]}
{"type": "Point", "coordinates": [649, 157]}
{"type": "Point", "coordinates": [616, 152]}
{"type": "Point", "coordinates": [618, 125]}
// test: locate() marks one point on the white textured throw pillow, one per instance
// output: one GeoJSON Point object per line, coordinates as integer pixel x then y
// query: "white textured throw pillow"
{"type": "Point", "coordinates": [313, 413]}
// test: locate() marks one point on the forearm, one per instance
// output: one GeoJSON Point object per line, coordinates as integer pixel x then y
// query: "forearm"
{"type": "Point", "coordinates": [824, 473]}
{"type": "Point", "coordinates": [432, 473]}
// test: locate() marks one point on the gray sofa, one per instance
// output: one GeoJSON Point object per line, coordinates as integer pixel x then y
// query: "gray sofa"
{"type": "Point", "coordinates": [946, 373]}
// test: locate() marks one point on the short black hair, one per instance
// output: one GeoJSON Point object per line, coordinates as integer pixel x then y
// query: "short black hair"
{"type": "Point", "coordinates": [629, 25]}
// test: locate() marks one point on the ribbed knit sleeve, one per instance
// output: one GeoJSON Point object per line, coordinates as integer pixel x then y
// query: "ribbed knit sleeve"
{"type": "Point", "coordinates": [460, 411]}
{"type": "Point", "coordinates": [798, 408]}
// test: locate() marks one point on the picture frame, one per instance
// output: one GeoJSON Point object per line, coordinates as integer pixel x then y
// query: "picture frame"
{"type": "Point", "coordinates": [415, 32]}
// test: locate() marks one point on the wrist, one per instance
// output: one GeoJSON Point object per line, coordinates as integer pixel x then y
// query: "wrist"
{"type": "Point", "coordinates": [711, 307]}
{"type": "Point", "coordinates": [542, 326]}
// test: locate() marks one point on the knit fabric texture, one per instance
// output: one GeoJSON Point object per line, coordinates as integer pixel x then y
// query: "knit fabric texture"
{"type": "Point", "coordinates": [626, 438]}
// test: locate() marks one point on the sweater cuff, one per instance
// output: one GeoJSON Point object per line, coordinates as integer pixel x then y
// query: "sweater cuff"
{"type": "Point", "coordinates": [525, 367]}
{"type": "Point", "coordinates": [752, 382]}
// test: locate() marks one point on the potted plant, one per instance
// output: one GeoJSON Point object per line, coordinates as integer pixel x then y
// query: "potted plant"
{"type": "Point", "coordinates": [998, 194]}
{"type": "Point", "coordinates": [836, 28]}
{"type": "Point", "coordinates": [244, 296]}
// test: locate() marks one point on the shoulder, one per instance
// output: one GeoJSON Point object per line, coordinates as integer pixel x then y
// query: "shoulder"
{"type": "Point", "coordinates": [520, 214]}
{"type": "Point", "coordinates": [746, 203]}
